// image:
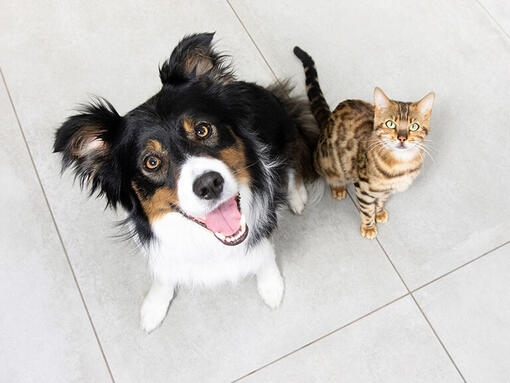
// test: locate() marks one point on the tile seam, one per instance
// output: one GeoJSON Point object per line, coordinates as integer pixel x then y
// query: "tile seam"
{"type": "Point", "coordinates": [252, 40]}
{"type": "Point", "coordinates": [59, 236]}
{"type": "Point", "coordinates": [318, 339]}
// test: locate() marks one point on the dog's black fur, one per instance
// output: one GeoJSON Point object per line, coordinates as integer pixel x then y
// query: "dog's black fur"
{"type": "Point", "coordinates": [106, 149]}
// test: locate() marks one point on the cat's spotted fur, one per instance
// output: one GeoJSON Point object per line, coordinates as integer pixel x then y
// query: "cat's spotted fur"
{"type": "Point", "coordinates": [378, 149]}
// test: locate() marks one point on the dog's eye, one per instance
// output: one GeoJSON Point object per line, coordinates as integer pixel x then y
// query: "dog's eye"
{"type": "Point", "coordinates": [152, 162]}
{"type": "Point", "coordinates": [202, 129]}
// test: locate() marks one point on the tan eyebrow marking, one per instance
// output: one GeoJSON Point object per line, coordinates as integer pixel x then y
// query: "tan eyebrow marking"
{"type": "Point", "coordinates": [154, 146]}
{"type": "Point", "coordinates": [189, 125]}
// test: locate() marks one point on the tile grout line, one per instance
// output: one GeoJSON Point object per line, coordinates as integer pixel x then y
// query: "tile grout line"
{"type": "Point", "coordinates": [409, 293]}
{"type": "Point", "coordinates": [415, 301]}
{"type": "Point", "coordinates": [323, 336]}
{"type": "Point", "coordinates": [450, 271]}
{"type": "Point", "coordinates": [55, 225]}
{"type": "Point", "coordinates": [460, 267]}
{"type": "Point", "coordinates": [493, 19]}
{"type": "Point", "coordinates": [422, 312]}
{"type": "Point", "coordinates": [252, 40]}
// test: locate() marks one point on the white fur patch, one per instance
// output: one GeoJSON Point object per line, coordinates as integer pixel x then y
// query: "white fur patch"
{"type": "Point", "coordinates": [296, 193]}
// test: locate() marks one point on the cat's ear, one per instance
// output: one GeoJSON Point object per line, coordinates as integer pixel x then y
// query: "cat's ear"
{"type": "Point", "coordinates": [425, 105]}
{"type": "Point", "coordinates": [381, 101]}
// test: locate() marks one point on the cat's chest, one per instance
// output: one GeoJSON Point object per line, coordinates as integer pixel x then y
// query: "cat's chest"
{"type": "Point", "coordinates": [396, 184]}
{"type": "Point", "coordinates": [394, 178]}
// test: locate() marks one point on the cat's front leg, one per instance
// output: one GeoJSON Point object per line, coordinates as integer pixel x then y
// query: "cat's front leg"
{"type": "Point", "coordinates": [368, 230]}
{"type": "Point", "coordinates": [381, 214]}
{"type": "Point", "coordinates": [367, 205]}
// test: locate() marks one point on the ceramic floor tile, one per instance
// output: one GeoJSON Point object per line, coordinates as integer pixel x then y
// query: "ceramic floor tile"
{"type": "Point", "coordinates": [500, 11]}
{"type": "Point", "coordinates": [394, 344]}
{"type": "Point", "coordinates": [470, 310]}
{"type": "Point", "coordinates": [455, 210]}
{"type": "Point", "coordinates": [56, 52]}
{"type": "Point", "coordinates": [43, 321]}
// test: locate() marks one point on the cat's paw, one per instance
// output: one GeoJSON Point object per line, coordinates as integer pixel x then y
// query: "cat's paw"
{"type": "Point", "coordinates": [338, 192]}
{"type": "Point", "coordinates": [369, 232]}
{"type": "Point", "coordinates": [382, 216]}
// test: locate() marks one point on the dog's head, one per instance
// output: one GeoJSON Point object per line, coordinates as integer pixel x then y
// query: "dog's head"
{"type": "Point", "coordinates": [182, 151]}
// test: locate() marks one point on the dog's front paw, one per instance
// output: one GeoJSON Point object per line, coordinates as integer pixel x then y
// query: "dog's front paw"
{"type": "Point", "coordinates": [296, 201]}
{"type": "Point", "coordinates": [152, 314]}
{"type": "Point", "coordinates": [271, 290]}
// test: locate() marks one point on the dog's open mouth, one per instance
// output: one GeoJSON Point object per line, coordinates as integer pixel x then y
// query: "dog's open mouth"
{"type": "Point", "coordinates": [226, 222]}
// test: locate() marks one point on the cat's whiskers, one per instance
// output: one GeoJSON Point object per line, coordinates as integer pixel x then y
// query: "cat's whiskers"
{"type": "Point", "coordinates": [421, 155]}
{"type": "Point", "coordinates": [376, 145]}
{"type": "Point", "coordinates": [425, 150]}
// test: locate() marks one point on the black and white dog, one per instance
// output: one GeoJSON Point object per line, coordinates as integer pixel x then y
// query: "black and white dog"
{"type": "Point", "coordinates": [201, 168]}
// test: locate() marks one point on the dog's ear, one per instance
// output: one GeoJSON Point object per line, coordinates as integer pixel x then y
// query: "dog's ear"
{"type": "Point", "coordinates": [87, 142]}
{"type": "Point", "coordinates": [193, 58]}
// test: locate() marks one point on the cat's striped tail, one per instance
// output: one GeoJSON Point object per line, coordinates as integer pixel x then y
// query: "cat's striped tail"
{"type": "Point", "coordinates": [318, 104]}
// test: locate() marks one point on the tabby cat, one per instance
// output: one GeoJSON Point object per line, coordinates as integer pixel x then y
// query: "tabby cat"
{"type": "Point", "coordinates": [378, 148]}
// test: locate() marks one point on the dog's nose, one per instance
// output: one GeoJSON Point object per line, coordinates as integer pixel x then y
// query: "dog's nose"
{"type": "Point", "coordinates": [209, 185]}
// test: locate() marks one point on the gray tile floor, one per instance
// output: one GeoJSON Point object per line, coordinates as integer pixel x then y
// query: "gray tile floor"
{"type": "Point", "coordinates": [427, 302]}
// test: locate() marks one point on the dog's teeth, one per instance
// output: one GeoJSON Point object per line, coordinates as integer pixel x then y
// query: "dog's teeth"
{"type": "Point", "coordinates": [220, 236]}
{"type": "Point", "coordinates": [236, 236]}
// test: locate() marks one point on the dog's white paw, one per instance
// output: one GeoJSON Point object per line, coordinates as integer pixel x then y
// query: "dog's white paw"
{"type": "Point", "coordinates": [303, 193]}
{"type": "Point", "coordinates": [271, 290]}
{"type": "Point", "coordinates": [296, 203]}
{"type": "Point", "coordinates": [297, 194]}
{"type": "Point", "coordinates": [152, 313]}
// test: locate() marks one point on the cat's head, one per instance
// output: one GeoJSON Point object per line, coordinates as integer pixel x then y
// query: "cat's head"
{"type": "Point", "coordinates": [402, 126]}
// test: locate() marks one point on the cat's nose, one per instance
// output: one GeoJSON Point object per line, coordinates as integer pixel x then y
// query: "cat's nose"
{"type": "Point", "coordinates": [402, 138]}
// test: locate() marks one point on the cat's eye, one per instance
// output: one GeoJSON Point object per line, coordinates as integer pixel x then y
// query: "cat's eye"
{"type": "Point", "coordinates": [390, 124]}
{"type": "Point", "coordinates": [202, 130]}
{"type": "Point", "coordinates": [414, 127]}
{"type": "Point", "coordinates": [152, 162]}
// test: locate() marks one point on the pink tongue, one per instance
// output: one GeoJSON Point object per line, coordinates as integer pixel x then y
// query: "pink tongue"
{"type": "Point", "coordinates": [225, 219]}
